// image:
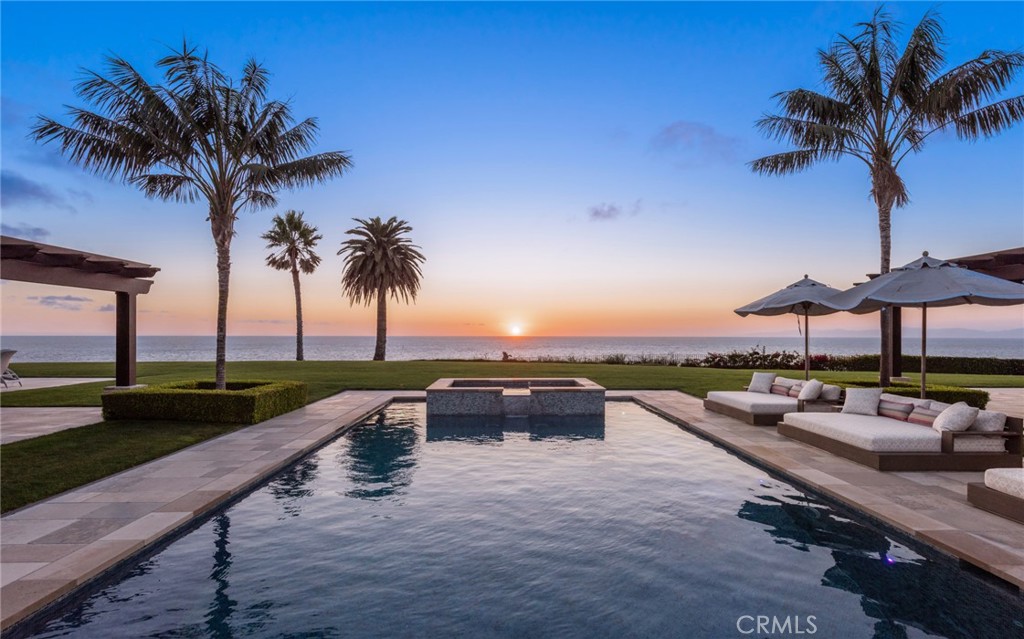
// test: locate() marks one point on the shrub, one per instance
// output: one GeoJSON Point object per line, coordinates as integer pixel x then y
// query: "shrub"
{"type": "Point", "coordinates": [247, 402]}
{"type": "Point", "coordinates": [947, 394]}
{"type": "Point", "coordinates": [754, 358]}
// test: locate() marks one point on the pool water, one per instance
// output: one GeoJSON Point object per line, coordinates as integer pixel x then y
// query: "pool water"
{"type": "Point", "coordinates": [626, 528]}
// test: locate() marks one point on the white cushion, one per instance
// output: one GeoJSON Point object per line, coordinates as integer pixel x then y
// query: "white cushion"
{"type": "Point", "coordinates": [1006, 480]}
{"type": "Point", "coordinates": [862, 401]}
{"type": "Point", "coordinates": [755, 403]}
{"type": "Point", "coordinates": [831, 393]}
{"type": "Point", "coordinates": [761, 383]}
{"type": "Point", "coordinates": [787, 381]}
{"type": "Point", "coordinates": [989, 421]}
{"type": "Point", "coordinates": [957, 417]}
{"type": "Point", "coordinates": [937, 405]}
{"type": "Point", "coordinates": [811, 390]}
{"type": "Point", "coordinates": [884, 435]}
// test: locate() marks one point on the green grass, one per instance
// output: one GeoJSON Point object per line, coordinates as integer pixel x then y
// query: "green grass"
{"type": "Point", "coordinates": [45, 466]}
{"type": "Point", "coordinates": [37, 468]}
{"type": "Point", "coordinates": [327, 378]}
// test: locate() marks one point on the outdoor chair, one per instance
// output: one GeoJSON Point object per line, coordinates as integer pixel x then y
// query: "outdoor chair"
{"type": "Point", "coordinates": [5, 362]}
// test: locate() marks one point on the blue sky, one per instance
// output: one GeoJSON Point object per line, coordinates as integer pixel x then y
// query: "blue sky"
{"type": "Point", "coordinates": [566, 167]}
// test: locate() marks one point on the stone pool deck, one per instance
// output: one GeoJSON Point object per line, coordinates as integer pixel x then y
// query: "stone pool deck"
{"type": "Point", "coordinates": [50, 549]}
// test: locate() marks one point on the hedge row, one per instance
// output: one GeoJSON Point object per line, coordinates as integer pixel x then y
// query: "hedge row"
{"type": "Point", "coordinates": [947, 394]}
{"type": "Point", "coordinates": [912, 364]}
{"type": "Point", "coordinates": [246, 402]}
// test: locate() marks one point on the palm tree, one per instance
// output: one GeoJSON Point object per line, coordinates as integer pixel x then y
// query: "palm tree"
{"type": "Point", "coordinates": [296, 240]}
{"type": "Point", "coordinates": [380, 260]}
{"type": "Point", "coordinates": [200, 136]}
{"type": "Point", "coordinates": [881, 105]}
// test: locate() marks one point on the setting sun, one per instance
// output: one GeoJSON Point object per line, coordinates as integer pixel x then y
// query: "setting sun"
{"type": "Point", "coordinates": [515, 330]}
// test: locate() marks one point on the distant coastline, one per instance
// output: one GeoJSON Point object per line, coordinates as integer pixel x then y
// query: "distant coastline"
{"type": "Point", "coordinates": [259, 348]}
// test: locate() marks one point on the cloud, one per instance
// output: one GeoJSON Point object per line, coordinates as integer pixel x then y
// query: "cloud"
{"type": "Point", "coordinates": [63, 302]}
{"type": "Point", "coordinates": [16, 190]}
{"type": "Point", "coordinates": [107, 308]}
{"type": "Point", "coordinates": [695, 144]}
{"type": "Point", "coordinates": [604, 212]}
{"type": "Point", "coordinates": [25, 231]}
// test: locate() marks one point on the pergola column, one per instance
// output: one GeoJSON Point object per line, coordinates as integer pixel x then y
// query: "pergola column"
{"type": "Point", "coordinates": [125, 340]}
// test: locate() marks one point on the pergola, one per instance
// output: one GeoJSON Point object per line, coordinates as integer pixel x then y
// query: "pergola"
{"type": "Point", "coordinates": [27, 261]}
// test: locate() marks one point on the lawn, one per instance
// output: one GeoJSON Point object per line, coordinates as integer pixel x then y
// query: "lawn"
{"type": "Point", "coordinates": [34, 469]}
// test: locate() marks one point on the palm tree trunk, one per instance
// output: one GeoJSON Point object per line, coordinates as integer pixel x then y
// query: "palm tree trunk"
{"type": "Point", "coordinates": [223, 276]}
{"type": "Point", "coordinates": [885, 237]}
{"type": "Point", "coordinates": [298, 314]}
{"type": "Point", "coordinates": [382, 324]}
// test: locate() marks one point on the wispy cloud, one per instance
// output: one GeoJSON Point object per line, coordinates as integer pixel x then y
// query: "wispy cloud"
{"type": "Point", "coordinates": [17, 190]}
{"type": "Point", "coordinates": [107, 308]}
{"type": "Point", "coordinates": [25, 231]}
{"type": "Point", "coordinates": [605, 212]}
{"type": "Point", "coordinates": [63, 302]}
{"type": "Point", "coordinates": [693, 144]}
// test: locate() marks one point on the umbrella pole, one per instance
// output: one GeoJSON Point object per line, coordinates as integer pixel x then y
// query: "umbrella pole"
{"type": "Point", "coordinates": [807, 349]}
{"type": "Point", "coordinates": [924, 346]}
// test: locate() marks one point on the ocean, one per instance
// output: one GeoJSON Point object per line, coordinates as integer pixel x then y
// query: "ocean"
{"type": "Point", "coordinates": [201, 348]}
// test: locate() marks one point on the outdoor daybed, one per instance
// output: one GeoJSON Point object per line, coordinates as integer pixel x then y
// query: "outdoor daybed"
{"type": "Point", "coordinates": [1002, 493]}
{"type": "Point", "coordinates": [769, 397]}
{"type": "Point", "coordinates": [901, 433]}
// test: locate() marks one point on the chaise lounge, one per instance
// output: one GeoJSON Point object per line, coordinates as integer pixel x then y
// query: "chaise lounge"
{"type": "Point", "coordinates": [769, 397]}
{"type": "Point", "coordinates": [1002, 493]}
{"type": "Point", "coordinates": [905, 434]}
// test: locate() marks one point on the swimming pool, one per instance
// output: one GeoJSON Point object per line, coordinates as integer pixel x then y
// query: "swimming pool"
{"type": "Point", "coordinates": [629, 527]}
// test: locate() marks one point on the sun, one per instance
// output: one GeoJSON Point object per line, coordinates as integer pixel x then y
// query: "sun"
{"type": "Point", "coordinates": [515, 330]}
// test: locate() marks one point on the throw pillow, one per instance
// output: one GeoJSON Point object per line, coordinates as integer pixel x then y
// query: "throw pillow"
{"type": "Point", "coordinates": [989, 421]}
{"type": "Point", "coordinates": [794, 390]}
{"type": "Point", "coordinates": [862, 401]}
{"type": "Point", "coordinates": [895, 410]}
{"type": "Point", "coordinates": [811, 390]}
{"type": "Point", "coordinates": [937, 405]}
{"type": "Point", "coordinates": [761, 382]}
{"type": "Point", "coordinates": [923, 416]}
{"type": "Point", "coordinates": [957, 417]}
{"type": "Point", "coordinates": [780, 389]}
{"type": "Point", "coordinates": [831, 393]}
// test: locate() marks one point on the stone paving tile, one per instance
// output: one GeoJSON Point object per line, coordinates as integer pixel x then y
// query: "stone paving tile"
{"type": "Point", "coordinates": [24, 596]}
{"type": "Point", "coordinates": [82, 531]}
{"type": "Point", "coordinates": [26, 531]}
{"type": "Point", "coordinates": [196, 502]}
{"type": "Point", "coordinates": [16, 570]}
{"type": "Point", "coordinates": [84, 564]}
{"type": "Point", "coordinates": [35, 552]}
{"type": "Point", "coordinates": [75, 510]}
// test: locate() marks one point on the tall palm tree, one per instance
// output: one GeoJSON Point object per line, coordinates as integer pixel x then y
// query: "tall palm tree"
{"type": "Point", "coordinates": [881, 105]}
{"type": "Point", "coordinates": [295, 240]}
{"type": "Point", "coordinates": [380, 260]}
{"type": "Point", "coordinates": [199, 136]}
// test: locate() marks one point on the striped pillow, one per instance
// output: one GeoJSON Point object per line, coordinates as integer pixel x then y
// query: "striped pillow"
{"type": "Point", "coordinates": [780, 389]}
{"type": "Point", "coordinates": [794, 390]}
{"type": "Point", "coordinates": [895, 410]}
{"type": "Point", "coordinates": [923, 416]}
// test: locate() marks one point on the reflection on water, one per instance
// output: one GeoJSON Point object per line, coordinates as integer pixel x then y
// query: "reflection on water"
{"type": "Point", "coordinates": [294, 485]}
{"type": "Point", "coordinates": [897, 586]}
{"type": "Point", "coordinates": [381, 455]}
{"type": "Point", "coordinates": [218, 617]}
{"type": "Point", "coordinates": [483, 429]}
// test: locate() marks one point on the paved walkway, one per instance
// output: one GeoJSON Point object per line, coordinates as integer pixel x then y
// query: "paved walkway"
{"type": "Point", "coordinates": [25, 423]}
{"type": "Point", "coordinates": [30, 383]}
{"type": "Point", "coordinates": [54, 547]}
{"type": "Point", "coordinates": [1006, 400]}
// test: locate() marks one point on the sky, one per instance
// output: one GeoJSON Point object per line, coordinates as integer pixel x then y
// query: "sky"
{"type": "Point", "coordinates": [568, 169]}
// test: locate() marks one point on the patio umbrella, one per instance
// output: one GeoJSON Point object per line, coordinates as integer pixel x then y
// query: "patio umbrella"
{"type": "Point", "coordinates": [924, 283]}
{"type": "Point", "coordinates": [803, 298]}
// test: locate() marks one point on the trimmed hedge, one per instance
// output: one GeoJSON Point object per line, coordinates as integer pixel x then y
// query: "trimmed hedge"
{"type": "Point", "coordinates": [247, 402]}
{"type": "Point", "coordinates": [947, 394]}
{"type": "Point", "coordinates": [912, 364]}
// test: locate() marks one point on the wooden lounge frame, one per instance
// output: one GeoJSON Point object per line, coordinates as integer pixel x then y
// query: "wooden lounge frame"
{"type": "Point", "coordinates": [946, 459]}
{"type": "Point", "coordinates": [762, 419]}
{"type": "Point", "coordinates": [996, 501]}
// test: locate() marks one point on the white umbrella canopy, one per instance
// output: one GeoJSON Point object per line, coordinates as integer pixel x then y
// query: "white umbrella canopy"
{"type": "Point", "coordinates": [801, 298]}
{"type": "Point", "coordinates": [927, 282]}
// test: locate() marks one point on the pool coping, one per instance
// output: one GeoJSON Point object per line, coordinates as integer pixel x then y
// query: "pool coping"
{"type": "Point", "coordinates": [65, 543]}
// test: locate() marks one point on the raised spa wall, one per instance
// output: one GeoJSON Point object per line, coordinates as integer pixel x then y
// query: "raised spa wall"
{"type": "Point", "coordinates": [515, 396]}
